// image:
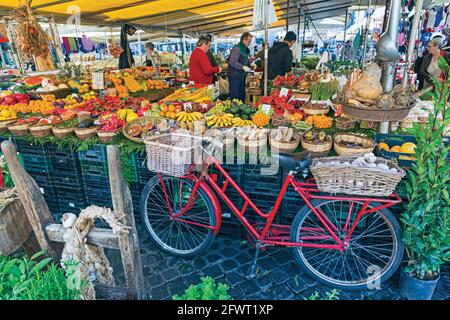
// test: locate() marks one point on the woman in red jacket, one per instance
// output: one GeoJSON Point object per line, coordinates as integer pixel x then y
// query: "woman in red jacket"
{"type": "Point", "coordinates": [200, 69]}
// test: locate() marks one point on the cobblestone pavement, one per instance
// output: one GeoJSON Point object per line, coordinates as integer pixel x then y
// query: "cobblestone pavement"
{"type": "Point", "coordinates": [228, 260]}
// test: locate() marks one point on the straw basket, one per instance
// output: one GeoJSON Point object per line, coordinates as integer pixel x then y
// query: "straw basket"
{"type": "Point", "coordinates": [357, 180]}
{"type": "Point", "coordinates": [4, 124]}
{"type": "Point", "coordinates": [367, 144]}
{"type": "Point", "coordinates": [41, 131]}
{"type": "Point", "coordinates": [317, 149]}
{"type": "Point", "coordinates": [173, 153]}
{"type": "Point", "coordinates": [86, 133]}
{"type": "Point", "coordinates": [311, 108]}
{"type": "Point", "coordinates": [106, 137]}
{"type": "Point", "coordinates": [14, 226]}
{"type": "Point", "coordinates": [62, 132]}
{"type": "Point", "coordinates": [140, 121]}
{"type": "Point", "coordinates": [286, 147]}
{"type": "Point", "coordinates": [19, 130]}
{"type": "Point", "coordinates": [346, 124]}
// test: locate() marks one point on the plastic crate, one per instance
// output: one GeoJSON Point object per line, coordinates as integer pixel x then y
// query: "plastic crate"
{"type": "Point", "coordinates": [393, 140]}
{"type": "Point", "coordinates": [26, 147]}
{"type": "Point", "coordinates": [96, 169]}
{"type": "Point", "coordinates": [256, 182]}
{"type": "Point", "coordinates": [37, 163]}
{"type": "Point", "coordinates": [96, 153]}
{"type": "Point", "coordinates": [143, 174]}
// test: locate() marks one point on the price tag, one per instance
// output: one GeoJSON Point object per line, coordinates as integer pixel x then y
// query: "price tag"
{"type": "Point", "coordinates": [266, 108]}
{"type": "Point", "coordinates": [98, 80]}
{"type": "Point", "coordinates": [187, 106]}
{"type": "Point", "coordinates": [284, 92]}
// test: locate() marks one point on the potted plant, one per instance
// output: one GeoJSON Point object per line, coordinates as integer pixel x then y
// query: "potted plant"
{"type": "Point", "coordinates": [426, 220]}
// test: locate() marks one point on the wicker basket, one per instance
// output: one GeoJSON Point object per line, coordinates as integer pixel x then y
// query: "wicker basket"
{"type": "Point", "coordinates": [286, 147]}
{"type": "Point", "coordinates": [377, 115]}
{"type": "Point", "coordinates": [19, 130]}
{"type": "Point", "coordinates": [309, 109]}
{"type": "Point", "coordinates": [367, 144]}
{"type": "Point", "coordinates": [356, 180]}
{"type": "Point", "coordinates": [4, 124]}
{"type": "Point", "coordinates": [106, 137]}
{"type": "Point", "coordinates": [173, 153]}
{"type": "Point", "coordinates": [62, 132]}
{"type": "Point", "coordinates": [252, 145]}
{"type": "Point", "coordinates": [41, 131]}
{"type": "Point", "coordinates": [140, 121]}
{"type": "Point", "coordinates": [346, 124]}
{"type": "Point", "coordinates": [317, 149]}
{"type": "Point", "coordinates": [86, 133]}
{"type": "Point", "coordinates": [59, 94]}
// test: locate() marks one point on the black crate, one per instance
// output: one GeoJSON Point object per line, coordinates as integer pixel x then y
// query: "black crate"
{"type": "Point", "coordinates": [37, 163]}
{"type": "Point", "coordinates": [144, 175]}
{"type": "Point", "coordinates": [256, 182]}
{"type": "Point", "coordinates": [96, 153]}
{"type": "Point", "coordinates": [26, 147]}
{"type": "Point", "coordinates": [98, 169]}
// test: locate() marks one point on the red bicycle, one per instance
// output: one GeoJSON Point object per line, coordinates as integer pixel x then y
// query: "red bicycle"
{"type": "Point", "coordinates": [342, 241]}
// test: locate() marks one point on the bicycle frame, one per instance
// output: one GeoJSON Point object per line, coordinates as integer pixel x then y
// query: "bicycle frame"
{"type": "Point", "coordinates": [306, 190]}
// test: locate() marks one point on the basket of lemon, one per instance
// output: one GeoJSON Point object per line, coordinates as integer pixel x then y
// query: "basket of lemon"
{"type": "Point", "coordinates": [400, 148]}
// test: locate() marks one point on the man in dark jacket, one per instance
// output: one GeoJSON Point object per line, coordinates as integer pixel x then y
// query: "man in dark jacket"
{"type": "Point", "coordinates": [211, 58]}
{"type": "Point", "coordinates": [239, 67]}
{"type": "Point", "coordinates": [281, 57]}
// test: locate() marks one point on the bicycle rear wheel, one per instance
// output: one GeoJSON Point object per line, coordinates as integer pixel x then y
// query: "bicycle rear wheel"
{"type": "Point", "coordinates": [190, 228]}
{"type": "Point", "coordinates": [374, 250]}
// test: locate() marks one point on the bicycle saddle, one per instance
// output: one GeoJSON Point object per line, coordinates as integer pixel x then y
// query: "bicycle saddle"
{"type": "Point", "coordinates": [295, 162]}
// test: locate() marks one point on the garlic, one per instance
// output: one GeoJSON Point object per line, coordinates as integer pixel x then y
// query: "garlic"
{"type": "Point", "coordinates": [370, 157]}
{"type": "Point", "coordinates": [382, 166]}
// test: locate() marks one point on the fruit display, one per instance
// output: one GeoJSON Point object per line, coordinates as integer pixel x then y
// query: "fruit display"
{"type": "Point", "coordinates": [115, 50]}
{"type": "Point", "coordinates": [261, 118]}
{"type": "Point", "coordinates": [240, 110]}
{"type": "Point", "coordinates": [220, 120]}
{"type": "Point", "coordinates": [238, 122]}
{"type": "Point", "coordinates": [320, 121]}
{"type": "Point", "coordinates": [288, 82]}
{"type": "Point", "coordinates": [194, 93]}
{"type": "Point", "coordinates": [189, 116]}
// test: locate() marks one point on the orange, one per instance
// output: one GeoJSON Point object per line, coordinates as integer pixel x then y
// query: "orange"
{"type": "Point", "coordinates": [396, 149]}
{"type": "Point", "coordinates": [171, 108]}
{"type": "Point", "coordinates": [408, 147]}
{"type": "Point", "coordinates": [163, 108]}
{"type": "Point", "coordinates": [384, 146]}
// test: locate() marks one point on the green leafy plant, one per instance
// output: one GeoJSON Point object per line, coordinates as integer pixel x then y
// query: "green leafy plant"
{"type": "Point", "coordinates": [206, 290]}
{"type": "Point", "coordinates": [330, 295]}
{"type": "Point", "coordinates": [31, 279]}
{"type": "Point", "coordinates": [426, 220]}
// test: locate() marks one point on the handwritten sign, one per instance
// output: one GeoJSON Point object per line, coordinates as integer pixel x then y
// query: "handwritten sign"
{"type": "Point", "coordinates": [266, 108]}
{"type": "Point", "coordinates": [98, 80]}
{"type": "Point", "coordinates": [284, 92]}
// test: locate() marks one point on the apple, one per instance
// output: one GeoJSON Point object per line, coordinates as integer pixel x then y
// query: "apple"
{"type": "Point", "coordinates": [10, 100]}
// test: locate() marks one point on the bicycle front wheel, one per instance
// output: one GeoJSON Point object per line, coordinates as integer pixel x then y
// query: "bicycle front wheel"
{"type": "Point", "coordinates": [373, 253]}
{"type": "Point", "coordinates": [179, 219]}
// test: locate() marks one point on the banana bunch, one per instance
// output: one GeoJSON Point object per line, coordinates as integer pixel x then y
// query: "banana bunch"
{"type": "Point", "coordinates": [238, 122]}
{"type": "Point", "coordinates": [220, 120]}
{"type": "Point", "coordinates": [189, 116]}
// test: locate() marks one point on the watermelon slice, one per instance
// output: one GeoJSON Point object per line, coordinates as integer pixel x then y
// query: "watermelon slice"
{"type": "Point", "coordinates": [33, 81]}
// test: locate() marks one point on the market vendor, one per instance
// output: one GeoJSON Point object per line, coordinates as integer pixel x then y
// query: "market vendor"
{"type": "Point", "coordinates": [430, 66]}
{"type": "Point", "coordinates": [211, 58]}
{"type": "Point", "coordinates": [281, 57]}
{"type": "Point", "coordinates": [152, 57]}
{"type": "Point", "coordinates": [239, 66]}
{"type": "Point", "coordinates": [200, 69]}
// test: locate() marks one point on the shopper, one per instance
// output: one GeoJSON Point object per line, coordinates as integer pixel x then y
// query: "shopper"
{"type": "Point", "coordinates": [417, 66]}
{"type": "Point", "coordinates": [152, 58]}
{"type": "Point", "coordinates": [347, 51]}
{"type": "Point", "coordinates": [430, 66]}
{"type": "Point", "coordinates": [281, 57]}
{"type": "Point", "coordinates": [200, 69]}
{"type": "Point", "coordinates": [211, 58]}
{"type": "Point", "coordinates": [239, 66]}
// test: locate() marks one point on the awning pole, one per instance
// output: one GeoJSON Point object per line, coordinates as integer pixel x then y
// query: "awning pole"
{"type": "Point", "coordinates": [287, 16]}
{"type": "Point", "coordinates": [266, 45]}
{"type": "Point", "coordinates": [412, 41]}
{"type": "Point", "coordinates": [345, 24]}
{"type": "Point", "coordinates": [139, 46]}
{"type": "Point", "coordinates": [369, 17]}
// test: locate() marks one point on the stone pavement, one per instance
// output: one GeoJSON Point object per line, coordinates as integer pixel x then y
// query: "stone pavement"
{"type": "Point", "coordinates": [228, 260]}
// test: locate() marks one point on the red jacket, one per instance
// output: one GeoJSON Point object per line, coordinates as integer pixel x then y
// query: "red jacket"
{"type": "Point", "coordinates": [200, 69]}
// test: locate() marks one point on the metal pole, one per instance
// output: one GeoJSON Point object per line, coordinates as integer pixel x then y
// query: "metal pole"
{"type": "Point", "coordinates": [412, 41]}
{"type": "Point", "coordinates": [369, 17]}
{"type": "Point", "coordinates": [388, 75]}
{"type": "Point", "coordinates": [345, 25]}
{"type": "Point", "coordinates": [266, 45]}
{"type": "Point", "coordinates": [182, 46]}
{"type": "Point", "coordinates": [139, 46]}
{"type": "Point", "coordinates": [303, 38]}
{"type": "Point", "coordinates": [287, 16]}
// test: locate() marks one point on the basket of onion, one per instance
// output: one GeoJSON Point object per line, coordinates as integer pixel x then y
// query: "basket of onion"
{"type": "Point", "coordinates": [112, 124]}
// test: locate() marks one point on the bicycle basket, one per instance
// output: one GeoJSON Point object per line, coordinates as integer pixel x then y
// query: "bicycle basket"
{"type": "Point", "coordinates": [173, 153]}
{"type": "Point", "coordinates": [344, 175]}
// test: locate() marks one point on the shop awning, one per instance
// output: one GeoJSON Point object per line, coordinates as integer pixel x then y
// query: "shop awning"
{"type": "Point", "coordinates": [225, 17]}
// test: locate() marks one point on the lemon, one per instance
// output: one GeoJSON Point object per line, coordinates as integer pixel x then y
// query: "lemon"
{"type": "Point", "coordinates": [406, 158]}
{"type": "Point", "coordinates": [5, 113]}
{"type": "Point", "coordinates": [384, 146]}
{"type": "Point", "coordinates": [408, 147]}
{"type": "Point", "coordinates": [396, 149]}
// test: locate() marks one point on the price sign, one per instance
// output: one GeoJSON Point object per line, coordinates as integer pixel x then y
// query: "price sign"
{"type": "Point", "coordinates": [187, 106]}
{"type": "Point", "coordinates": [266, 108]}
{"type": "Point", "coordinates": [284, 92]}
{"type": "Point", "coordinates": [98, 80]}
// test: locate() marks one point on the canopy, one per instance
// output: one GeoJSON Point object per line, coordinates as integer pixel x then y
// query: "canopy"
{"type": "Point", "coordinates": [224, 17]}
